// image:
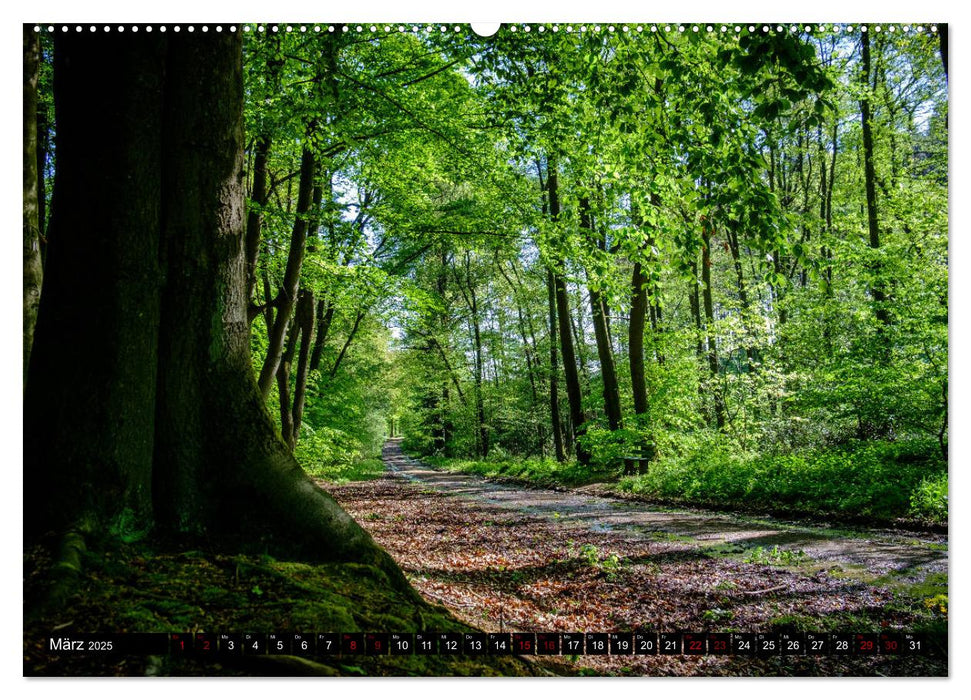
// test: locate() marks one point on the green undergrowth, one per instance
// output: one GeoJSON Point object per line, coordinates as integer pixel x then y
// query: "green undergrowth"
{"type": "Point", "coordinates": [880, 480]}
{"type": "Point", "coordinates": [535, 470]}
{"type": "Point", "coordinates": [343, 472]}
{"type": "Point", "coordinates": [883, 481]}
{"type": "Point", "coordinates": [154, 587]}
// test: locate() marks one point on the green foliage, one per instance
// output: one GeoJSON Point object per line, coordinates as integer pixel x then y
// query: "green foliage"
{"type": "Point", "coordinates": [334, 456]}
{"type": "Point", "coordinates": [877, 479]}
{"type": "Point", "coordinates": [775, 556]}
{"type": "Point", "coordinates": [530, 470]}
{"type": "Point", "coordinates": [795, 357]}
{"type": "Point", "coordinates": [609, 563]}
{"type": "Point", "coordinates": [929, 500]}
{"type": "Point", "coordinates": [128, 527]}
{"type": "Point", "coordinates": [609, 447]}
{"type": "Point", "coordinates": [937, 604]}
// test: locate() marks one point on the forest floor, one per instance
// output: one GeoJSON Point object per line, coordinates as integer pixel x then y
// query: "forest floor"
{"type": "Point", "coordinates": [509, 558]}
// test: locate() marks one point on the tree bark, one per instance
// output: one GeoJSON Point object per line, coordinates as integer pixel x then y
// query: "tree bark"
{"type": "Point", "coordinates": [33, 175]}
{"type": "Point", "coordinates": [283, 386]}
{"type": "Point", "coordinates": [694, 300]}
{"type": "Point", "coordinates": [735, 249]}
{"type": "Point", "coordinates": [325, 316]}
{"type": "Point", "coordinates": [156, 408]}
{"type": "Point", "coordinates": [89, 415]}
{"type": "Point", "coordinates": [468, 292]}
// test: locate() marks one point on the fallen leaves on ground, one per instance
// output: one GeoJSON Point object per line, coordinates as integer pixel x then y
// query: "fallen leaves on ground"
{"type": "Point", "coordinates": [504, 571]}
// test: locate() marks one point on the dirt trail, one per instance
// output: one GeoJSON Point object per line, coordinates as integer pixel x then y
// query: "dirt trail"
{"type": "Point", "coordinates": [507, 558]}
{"type": "Point", "coordinates": [878, 552]}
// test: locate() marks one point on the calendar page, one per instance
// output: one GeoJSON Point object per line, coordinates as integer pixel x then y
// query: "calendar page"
{"type": "Point", "coordinates": [525, 349]}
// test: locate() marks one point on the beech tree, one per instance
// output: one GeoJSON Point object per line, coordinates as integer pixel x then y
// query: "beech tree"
{"type": "Point", "coordinates": [141, 402]}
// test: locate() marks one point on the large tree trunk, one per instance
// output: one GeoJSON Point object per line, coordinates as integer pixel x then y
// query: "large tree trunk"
{"type": "Point", "coordinates": [33, 271]}
{"type": "Point", "coordinates": [89, 406]}
{"type": "Point", "coordinates": [155, 410]}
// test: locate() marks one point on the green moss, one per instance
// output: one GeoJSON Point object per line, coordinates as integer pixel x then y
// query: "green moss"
{"type": "Point", "coordinates": [136, 589]}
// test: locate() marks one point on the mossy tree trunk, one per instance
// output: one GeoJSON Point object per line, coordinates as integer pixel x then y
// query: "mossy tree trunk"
{"type": "Point", "coordinates": [33, 177]}
{"type": "Point", "coordinates": [141, 399]}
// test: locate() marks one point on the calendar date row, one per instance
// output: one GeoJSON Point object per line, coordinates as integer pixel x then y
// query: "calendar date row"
{"type": "Point", "coordinates": [754, 644]}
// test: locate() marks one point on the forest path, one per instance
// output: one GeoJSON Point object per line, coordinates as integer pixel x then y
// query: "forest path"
{"type": "Point", "coordinates": [878, 552]}
{"type": "Point", "coordinates": [509, 558]}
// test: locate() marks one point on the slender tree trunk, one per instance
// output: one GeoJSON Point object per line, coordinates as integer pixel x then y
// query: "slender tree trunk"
{"type": "Point", "coordinates": [555, 420]}
{"type": "Point", "coordinates": [304, 318]}
{"type": "Point", "coordinates": [608, 372]}
{"type": "Point", "coordinates": [566, 335]}
{"type": "Point", "coordinates": [655, 308]}
{"type": "Point", "coordinates": [260, 193]}
{"type": "Point", "coordinates": [736, 252]}
{"type": "Point", "coordinates": [347, 343]}
{"type": "Point", "coordinates": [287, 296]}
{"type": "Point", "coordinates": [635, 338]}
{"type": "Point", "coordinates": [283, 385]}
{"type": "Point", "coordinates": [268, 310]}
{"type": "Point", "coordinates": [694, 299]}
{"type": "Point", "coordinates": [579, 339]}
{"type": "Point", "coordinates": [258, 200]}
{"type": "Point", "coordinates": [777, 287]}
{"type": "Point", "coordinates": [880, 309]}
{"type": "Point", "coordinates": [33, 271]}
{"type": "Point", "coordinates": [448, 425]}
{"type": "Point", "coordinates": [471, 300]}
{"type": "Point", "coordinates": [479, 403]}
{"type": "Point", "coordinates": [325, 316]}
{"type": "Point", "coordinates": [828, 252]}
{"type": "Point", "coordinates": [444, 429]}
{"type": "Point", "coordinates": [528, 349]}
{"type": "Point", "coordinates": [712, 350]}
